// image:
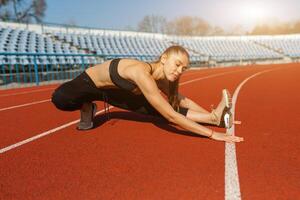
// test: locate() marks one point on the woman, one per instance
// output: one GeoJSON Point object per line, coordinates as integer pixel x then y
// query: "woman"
{"type": "Point", "coordinates": [137, 86]}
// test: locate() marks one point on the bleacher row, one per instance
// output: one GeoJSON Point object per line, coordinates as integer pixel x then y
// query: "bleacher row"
{"type": "Point", "coordinates": [223, 49]}
{"type": "Point", "coordinates": [201, 49]}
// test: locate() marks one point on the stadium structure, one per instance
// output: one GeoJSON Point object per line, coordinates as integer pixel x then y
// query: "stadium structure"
{"type": "Point", "coordinates": [35, 54]}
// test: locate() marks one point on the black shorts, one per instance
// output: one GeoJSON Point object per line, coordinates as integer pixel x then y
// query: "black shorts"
{"type": "Point", "coordinates": [73, 94]}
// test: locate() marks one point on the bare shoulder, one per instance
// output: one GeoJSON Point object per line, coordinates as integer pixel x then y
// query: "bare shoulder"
{"type": "Point", "coordinates": [135, 64]}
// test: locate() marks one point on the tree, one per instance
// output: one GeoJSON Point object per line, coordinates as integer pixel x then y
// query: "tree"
{"type": "Point", "coordinates": [3, 2]}
{"type": "Point", "coordinates": [237, 30]}
{"type": "Point", "coordinates": [217, 30]}
{"type": "Point", "coordinates": [296, 27]}
{"type": "Point", "coordinates": [188, 25]}
{"type": "Point", "coordinates": [22, 10]}
{"type": "Point", "coordinates": [71, 22]}
{"type": "Point", "coordinates": [153, 24]}
{"type": "Point", "coordinates": [261, 29]}
{"type": "Point", "coordinates": [276, 26]}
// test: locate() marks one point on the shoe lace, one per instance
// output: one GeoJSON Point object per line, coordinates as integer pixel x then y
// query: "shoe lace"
{"type": "Point", "coordinates": [106, 105]}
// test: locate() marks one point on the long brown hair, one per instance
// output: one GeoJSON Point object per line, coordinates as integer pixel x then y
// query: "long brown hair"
{"type": "Point", "coordinates": [173, 86]}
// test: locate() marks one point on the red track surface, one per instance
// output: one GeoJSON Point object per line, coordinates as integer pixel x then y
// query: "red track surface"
{"type": "Point", "coordinates": [139, 157]}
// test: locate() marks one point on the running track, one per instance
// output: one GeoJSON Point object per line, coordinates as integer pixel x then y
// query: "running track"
{"type": "Point", "coordinates": [138, 157]}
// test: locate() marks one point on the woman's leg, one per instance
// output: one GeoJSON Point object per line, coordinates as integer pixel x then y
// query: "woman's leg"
{"type": "Point", "coordinates": [200, 117]}
{"type": "Point", "coordinates": [65, 100]}
{"type": "Point", "coordinates": [138, 103]}
{"type": "Point", "coordinates": [214, 117]}
{"type": "Point", "coordinates": [78, 94]}
{"type": "Point", "coordinates": [129, 101]}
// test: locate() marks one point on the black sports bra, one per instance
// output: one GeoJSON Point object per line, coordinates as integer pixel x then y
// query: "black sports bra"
{"type": "Point", "coordinates": [117, 79]}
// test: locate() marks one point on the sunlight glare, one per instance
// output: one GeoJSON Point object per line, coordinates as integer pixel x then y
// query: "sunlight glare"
{"type": "Point", "coordinates": [253, 13]}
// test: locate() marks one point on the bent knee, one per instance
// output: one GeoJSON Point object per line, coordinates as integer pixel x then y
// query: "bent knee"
{"type": "Point", "coordinates": [64, 103]}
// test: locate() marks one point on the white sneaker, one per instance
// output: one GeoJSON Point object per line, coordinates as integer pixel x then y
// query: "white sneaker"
{"type": "Point", "coordinates": [228, 99]}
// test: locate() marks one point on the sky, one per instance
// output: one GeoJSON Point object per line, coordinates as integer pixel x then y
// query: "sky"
{"type": "Point", "coordinates": [120, 14]}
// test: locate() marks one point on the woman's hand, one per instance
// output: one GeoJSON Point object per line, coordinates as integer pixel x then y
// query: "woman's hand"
{"type": "Point", "coordinates": [225, 137]}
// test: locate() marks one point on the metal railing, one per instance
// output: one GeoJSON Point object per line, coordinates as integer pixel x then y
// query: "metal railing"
{"type": "Point", "coordinates": [33, 69]}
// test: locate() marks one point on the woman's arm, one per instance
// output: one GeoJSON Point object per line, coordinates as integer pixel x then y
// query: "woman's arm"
{"type": "Point", "coordinates": [150, 90]}
{"type": "Point", "coordinates": [183, 101]}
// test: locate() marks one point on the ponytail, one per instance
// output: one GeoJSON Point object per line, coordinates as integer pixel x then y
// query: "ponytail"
{"type": "Point", "coordinates": [173, 94]}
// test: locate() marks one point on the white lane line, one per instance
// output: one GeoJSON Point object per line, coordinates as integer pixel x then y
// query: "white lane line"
{"type": "Point", "coordinates": [44, 134]}
{"type": "Point", "coordinates": [26, 104]}
{"type": "Point", "coordinates": [71, 123]}
{"type": "Point", "coordinates": [232, 184]}
{"type": "Point", "coordinates": [183, 83]}
{"type": "Point", "coordinates": [27, 92]}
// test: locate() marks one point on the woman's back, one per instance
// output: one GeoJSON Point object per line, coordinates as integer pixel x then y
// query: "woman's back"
{"type": "Point", "coordinates": [126, 69]}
